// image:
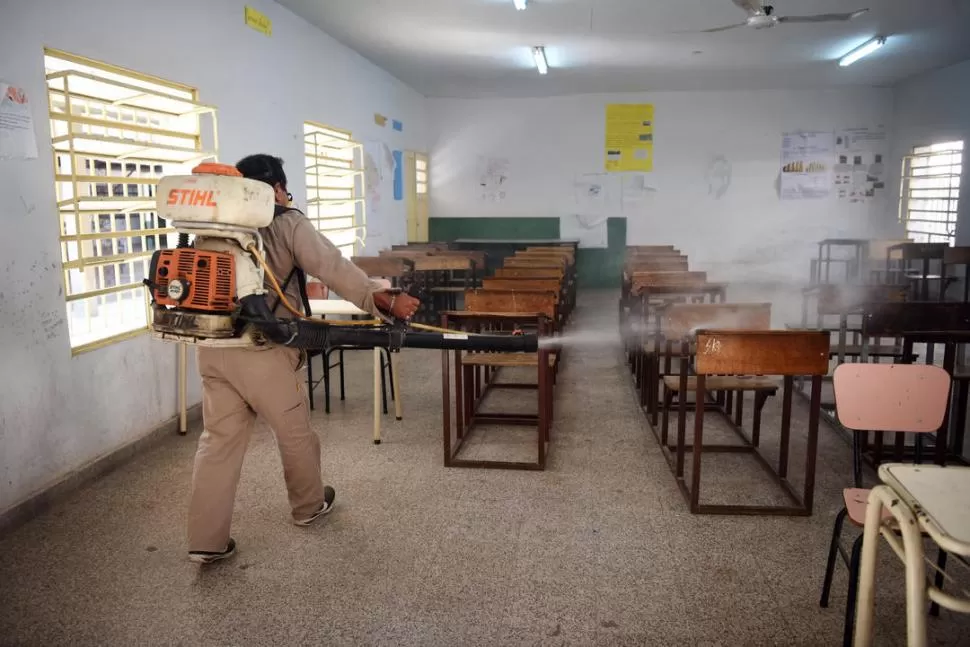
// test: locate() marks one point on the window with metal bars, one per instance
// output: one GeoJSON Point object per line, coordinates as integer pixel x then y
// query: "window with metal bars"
{"type": "Point", "coordinates": [929, 192]}
{"type": "Point", "coordinates": [335, 186]}
{"type": "Point", "coordinates": [114, 134]}
{"type": "Point", "coordinates": [421, 174]}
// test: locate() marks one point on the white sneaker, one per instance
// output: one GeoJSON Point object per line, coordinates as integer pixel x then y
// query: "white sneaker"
{"type": "Point", "coordinates": [329, 494]}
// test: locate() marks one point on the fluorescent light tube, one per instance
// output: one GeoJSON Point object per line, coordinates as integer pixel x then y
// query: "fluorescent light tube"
{"type": "Point", "coordinates": [862, 50]}
{"type": "Point", "coordinates": [520, 4]}
{"type": "Point", "coordinates": [539, 54]}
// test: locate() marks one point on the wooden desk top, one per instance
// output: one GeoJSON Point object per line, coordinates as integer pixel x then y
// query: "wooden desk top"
{"type": "Point", "coordinates": [517, 241]}
{"type": "Point", "coordinates": [686, 288]}
{"type": "Point", "coordinates": [938, 336]}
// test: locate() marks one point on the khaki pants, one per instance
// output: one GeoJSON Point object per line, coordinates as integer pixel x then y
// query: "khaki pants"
{"type": "Point", "coordinates": [237, 385]}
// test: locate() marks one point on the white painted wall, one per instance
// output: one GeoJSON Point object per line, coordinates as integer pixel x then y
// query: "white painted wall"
{"type": "Point", "coordinates": [57, 412]}
{"type": "Point", "coordinates": [749, 234]}
{"type": "Point", "coordinates": [929, 109]}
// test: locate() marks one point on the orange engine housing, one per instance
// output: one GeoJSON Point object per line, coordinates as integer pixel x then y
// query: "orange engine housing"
{"type": "Point", "coordinates": [210, 277]}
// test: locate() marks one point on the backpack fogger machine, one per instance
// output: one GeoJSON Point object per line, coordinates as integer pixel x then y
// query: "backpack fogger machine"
{"type": "Point", "coordinates": [211, 293]}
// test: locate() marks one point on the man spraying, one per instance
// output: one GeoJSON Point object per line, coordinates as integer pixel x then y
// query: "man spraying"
{"type": "Point", "coordinates": [240, 383]}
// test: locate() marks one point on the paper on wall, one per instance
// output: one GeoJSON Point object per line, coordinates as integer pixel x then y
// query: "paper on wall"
{"type": "Point", "coordinates": [493, 176]}
{"type": "Point", "coordinates": [17, 138]}
{"type": "Point", "coordinates": [806, 165]}
{"type": "Point", "coordinates": [860, 166]}
{"type": "Point", "coordinates": [379, 173]}
{"type": "Point", "coordinates": [634, 190]}
{"type": "Point", "coordinates": [590, 231]}
{"type": "Point", "coordinates": [718, 176]}
{"type": "Point", "coordinates": [592, 194]}
{"type": "Point", "coordinates": [629, 137]}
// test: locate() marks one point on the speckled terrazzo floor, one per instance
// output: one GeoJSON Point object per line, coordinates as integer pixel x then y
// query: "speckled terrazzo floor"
{"type": "Point", "coordinates": [597, 550]}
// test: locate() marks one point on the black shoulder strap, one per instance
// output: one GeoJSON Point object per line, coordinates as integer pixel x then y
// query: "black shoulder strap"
{"type": "Point", "coordinates": [301, 279]}
{"type": "Point", "coordinates": [299, 273]}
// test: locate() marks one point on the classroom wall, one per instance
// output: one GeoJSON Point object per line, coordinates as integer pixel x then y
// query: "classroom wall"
{"type": "Point", "coordinates": [57, 413]}
{"type": "Point", "coordinates": [933, 108]}
{"type": "Point", "coordinates": [747, 235]}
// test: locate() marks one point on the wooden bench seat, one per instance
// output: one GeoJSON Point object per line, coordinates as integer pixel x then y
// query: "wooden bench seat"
{"type": "Point", "coordinates": [529, 273]}
{"type": "Point", "coordinates": [504, 359]}
{"type": "Point", "coordinates": [528, 284]}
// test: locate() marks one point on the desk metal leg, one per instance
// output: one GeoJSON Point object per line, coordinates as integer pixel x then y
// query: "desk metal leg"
{"type": "Point", "coordinates": [396, 386]}
{"type": "Point", "coordinates": [377, 396]}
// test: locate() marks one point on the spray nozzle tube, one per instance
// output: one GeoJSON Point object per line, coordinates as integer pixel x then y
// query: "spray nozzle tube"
{"type": "Point", "coordinates": [318, 335]}
{"type": "Point", "coordinates": [395, 337]}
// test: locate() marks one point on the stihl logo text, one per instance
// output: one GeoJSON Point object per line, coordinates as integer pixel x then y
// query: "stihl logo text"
{"type": "Point", "coordinates": [190, 198]}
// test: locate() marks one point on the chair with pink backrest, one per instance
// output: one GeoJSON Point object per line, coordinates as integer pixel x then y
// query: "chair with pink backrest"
{"type": "Point", "coordinates": [907, 398]}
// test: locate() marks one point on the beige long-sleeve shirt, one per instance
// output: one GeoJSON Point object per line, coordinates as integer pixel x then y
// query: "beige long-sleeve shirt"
{"type": "Point", "coordinates": [292, 241]}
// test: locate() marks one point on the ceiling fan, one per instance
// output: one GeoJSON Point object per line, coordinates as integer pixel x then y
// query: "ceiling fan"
{"type": "Point", "coordinates": [762, 16]}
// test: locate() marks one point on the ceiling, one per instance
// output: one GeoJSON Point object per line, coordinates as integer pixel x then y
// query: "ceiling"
{"type": "Point", "coordinates": [482, 48]}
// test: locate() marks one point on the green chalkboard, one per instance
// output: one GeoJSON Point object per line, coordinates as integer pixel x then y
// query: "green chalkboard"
{"type": "Point", "coordinates": [596, 268]}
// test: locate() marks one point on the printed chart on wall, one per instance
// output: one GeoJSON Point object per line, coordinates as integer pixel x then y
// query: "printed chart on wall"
{"type": "Point", "coordinates": [860, 172]}
{"type": "Point", "coordinates": [17, 140]}
{"type": "Point", "coordinates": [806, 165]}
{"type": "Point", "coordinates": [629, 137]}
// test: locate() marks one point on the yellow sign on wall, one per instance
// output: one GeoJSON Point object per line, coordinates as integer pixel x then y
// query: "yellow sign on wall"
{"type": "Point", "coordinates": [259, 21]}
{"type": "Point", "coordinates": [629, 137]}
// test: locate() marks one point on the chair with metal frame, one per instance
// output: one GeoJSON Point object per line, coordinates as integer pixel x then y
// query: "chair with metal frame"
{"type": "Point", "coordinates": [900, 398]}
{"type": "Point", "coordinates": [392, 272]}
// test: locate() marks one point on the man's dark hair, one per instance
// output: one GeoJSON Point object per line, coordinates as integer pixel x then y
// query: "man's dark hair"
{"type": "Point", "coordinates": [265, 168]}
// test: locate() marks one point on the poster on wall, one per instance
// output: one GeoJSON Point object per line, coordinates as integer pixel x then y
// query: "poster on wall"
{"type": "Point", "coordinates": [806, 165]}
{"type": "Point", "coordinates": [493, 175]}
{"type": "Point", "coordinates": [380, 170]}
{"type": "Point", "coordinates": [860, 171]}
{"type": "Point", "coordinates": [593, 194]}
{"type": "Point", "coordinates": [17, 139]}
{"type": "Point", "coordinates": [629, 137]}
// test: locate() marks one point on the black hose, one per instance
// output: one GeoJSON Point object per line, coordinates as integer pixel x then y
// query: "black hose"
{"type": "Point", "coordinates": [183, 240]}
{"type": "Point", "coordinates": [394, 339]}
{"type": "Point", "coordinates": [313, 336]}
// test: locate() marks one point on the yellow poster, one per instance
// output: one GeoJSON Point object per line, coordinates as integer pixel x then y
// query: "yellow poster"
{"type": "Point", "coordinates": [629, 137]}
{"type": "Point", "coordinates": [259, 21]}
